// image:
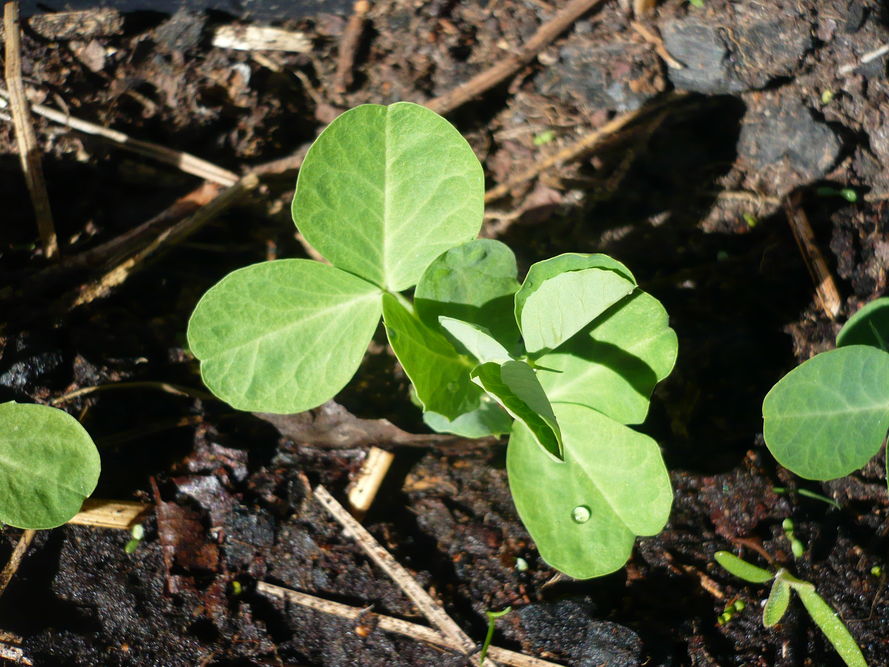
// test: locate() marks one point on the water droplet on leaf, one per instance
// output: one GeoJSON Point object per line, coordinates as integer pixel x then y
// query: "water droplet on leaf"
{"type": "Point", "coordinates": [581, 514]}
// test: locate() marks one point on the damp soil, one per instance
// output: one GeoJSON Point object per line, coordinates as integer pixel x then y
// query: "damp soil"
{"type": "Point", "coordinates": [778, 97]}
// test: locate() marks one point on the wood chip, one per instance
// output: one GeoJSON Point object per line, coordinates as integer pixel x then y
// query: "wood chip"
{"type": "Point", "coordinates": [118, 514]}
{"type": "Point", "coordinates": [85, 24]}
{"type": "Point", "coordinates": [260, 38]}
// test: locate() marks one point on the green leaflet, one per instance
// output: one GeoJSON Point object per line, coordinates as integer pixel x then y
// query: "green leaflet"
{"type": "Point", "coordinates": [828, 416]}
{"type": "Point", "coordinates": [475, 283]}
{"type": "Point", "coordinates": [514, 385]}
{"type": "Point", "coordinates": [384, 190]}
{"type": "Point", "coordinates": [439, 375]}
{"type": "Point", "coordinates": [614, 364]}
{"type": "Point", "coordinates": [476, 340]}
{"type": "Point", "coordinates": [869, 326]}
{"type": "Point", "coordinates": [777, 603]}
{"type": "Point", "coordinates": [566, 303]}
{"type": "Point", "coordinates": [832, 627]}
{"type": "Point", "coordinates": [741, 568]}
{"type": "Point", "coordinates": [283, 336]}
{"type": "Point", "coordinates": [48, 466]}
{"type": "Point", "coordinates": [585, 512]}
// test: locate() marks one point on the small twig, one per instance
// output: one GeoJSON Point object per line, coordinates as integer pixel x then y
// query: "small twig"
{"type": "Point", "coordinates": [117, 514]}
{"type": "Point", "coordinates": [349, 43]}
{"type": "Point", "coordinates": [866, 58]}
{"type": "Point", "coordinates": [260, 38]}
{"type": "Point", "coordinates": [15, 559]}
{"type": "Point", "coordinates": [177, 232]}
{"type": "Point", "coordinates": [513, 62]}
{"type": "Point", "coordinates": [367, 483]}
{"type": "Point", "coordinates": [655, 40]}
{"type": "Point", "coordinates": [29, 152]}
{"type": "Point", "coordinates": [425, 603]}
{"type": "Point", "coordinates": [825, 286]}
{"type": "Point", "coordinates": [579, 148]}
{"type": "Point", "coordinates": [162, 386]}
{"type": "Point", "coordinates": [186, 162]}
{"type": "Point", "coordinates": [390, 624]}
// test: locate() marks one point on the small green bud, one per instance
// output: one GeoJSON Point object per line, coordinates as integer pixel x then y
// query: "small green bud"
{"type": "Point", "coordinates": [739, 605]}
{"type": "Point", "coordinates": [544, 137]}
{"type": "Point", "coordinates": [849, 195]}
{"type": "Point", "coordinates": [750, 219]}
{"type": "Point", "coordinates": [797, 547]}
{"type": "Point", "coordinates": [137, 531]}
{"type": "Point", "coordinates": [826, 96]}
{"type": "Point", "coordinates": [131, 546]}
{"type": "Point", "coordinates": [787, 525]}
{"type": "Point", "coordinates": [237, 589]}
{"type": "Point", "coordinates": [877, 571]}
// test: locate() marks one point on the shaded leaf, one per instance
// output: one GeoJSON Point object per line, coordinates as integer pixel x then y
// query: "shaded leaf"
{"type": "Point", "coordinates": [828, 416]}
{"type": "Point", "coordinates": [384, 190]}
{"type": "Point", "coordinates": [566, 303]}
{"type": "Point", "coordinates": [869, 326]}
{"type": "Point", "coordinates": [488, 419]}
{"type": "Point", "coordinates": [584, 513]}
{"type": "Point", "coordinates": [477, 342]}
{"type": "Point", "coordinates": [514, 385]}
{"type": "Point", "coordinates": [283, 336]}
{"type": "Point", "coordinates": [48, 466]}
{"type": "Point", "coordinates": [439, 374]}
{"type": "Point", "coordinates": [475, 283]}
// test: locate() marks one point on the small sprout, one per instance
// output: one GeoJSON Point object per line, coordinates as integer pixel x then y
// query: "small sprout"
{"type": "Point", "coordinates": [544, 138]}
{"type": "Point", "coordinates": [237, 588]}
{"type": "Point", "coordinates": [797, 547]}
{"type": "Point", "coordinates": [137, 533]}
{"type": "Point", "coordinates": [809, 494]}
{"type": "Point", "coordinates": [827, 96]}
{"type": "Point", "coordinates": [730, 611]}
{"type": "Point", "coordinates": [848, 194]}
{"type": "Point", "coordinates": [750, 219]}
{"type": "Point", "coordinates": [876, 571]}
{"type": "Point", "coordinates": [739, 605]}
{"type": "Point", "coordinates": [521, 564]}
{"type": "Point", "coordinates": [696, 3]}
{"type": "Point", "coordinates": [779, 598]}
{"type": "Point", "coordinates": [492, 616]}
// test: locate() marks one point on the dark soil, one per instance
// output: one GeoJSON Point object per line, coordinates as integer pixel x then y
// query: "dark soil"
{"type": "Point", "coordinates": [779, 101]}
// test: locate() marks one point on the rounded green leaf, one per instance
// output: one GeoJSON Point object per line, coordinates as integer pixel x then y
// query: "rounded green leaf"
{"type": "Point", "coordinates": [48, 466]}
{"type": "Point", "coordinates": [614, 365]}
{"type": "Point", "coordinates": [475, 283]}
{"type": "Point", "coordinates": [828, 416]}
{"type": "Point", "coordinates": [570, 261]}
{"type": "Point", "coordinates": [566, 303]}
{"type": "Point", "coordinates": [384, 190]}
{"type": "Point", "coordinates": [585, 512]}
{"type": "Point", "coordinates": [283, 336]}
{"type": "Point", "coordinates": [439, 374]}
{"type": "Point", "coordinates": [869, 326]}
{"type": "Point", "coordinates": [514, 385]}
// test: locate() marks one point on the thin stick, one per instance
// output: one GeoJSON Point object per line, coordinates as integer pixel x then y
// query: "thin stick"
{"type": "Point", "coordinates": [367, 483]}
{"type": "Point", "coordinates": [579, 148]}
{"type": "Point", "coordinates": [655, 40]}
{"type": "Point", "coordinates": [162, 386]}
{"type": "Point", "coordinates": [425, 603]}
{"type": "Point", "coordinates": [186, 162]}
{"type": "Point", "coordinates": [177, 232]}
{"type": "Point", "coordinates": [29, 152]}
{"type": "Point", "coordinates": [117, 514]}
{"type": "Point", "coordinates": [825, 286]}
{"type": "Point", "coordinates": [390, 624]}
{"type": "Point", "coordinates": [349, 44]}
{"type": "Point", "coordinates": [15, 559]}
{"type": "Point", "coordinates": [513, 62]}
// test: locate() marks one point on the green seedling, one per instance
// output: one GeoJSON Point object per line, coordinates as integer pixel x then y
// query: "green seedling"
{"type": "Point", "coordinates": [829, 416]}
{"type": "Point", "coordinates": [563, 362]}
{"type": "Point", "coordinates": [697, 3]}
{"type": "Point", "coordinates": [809, 494]}
{"type": "Point", "coordinates": [779, 599]}
{"type": "Point", "coordinates": [731, 609]}
{"type": "Point", "coordinates": [545, 137]}
{"type": "Point", "coordinates": [489, 636]}
{"type": "Point", "coordinates": [797, 547]}
{"type": "Point", "coordinates": [48, 466]}
{"type": "Point", "coordinates": [848, 194]}
{"type": "Point", "coordinates": [827, 96]}
{"type": "Point", "coordinates": [137, 534]}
